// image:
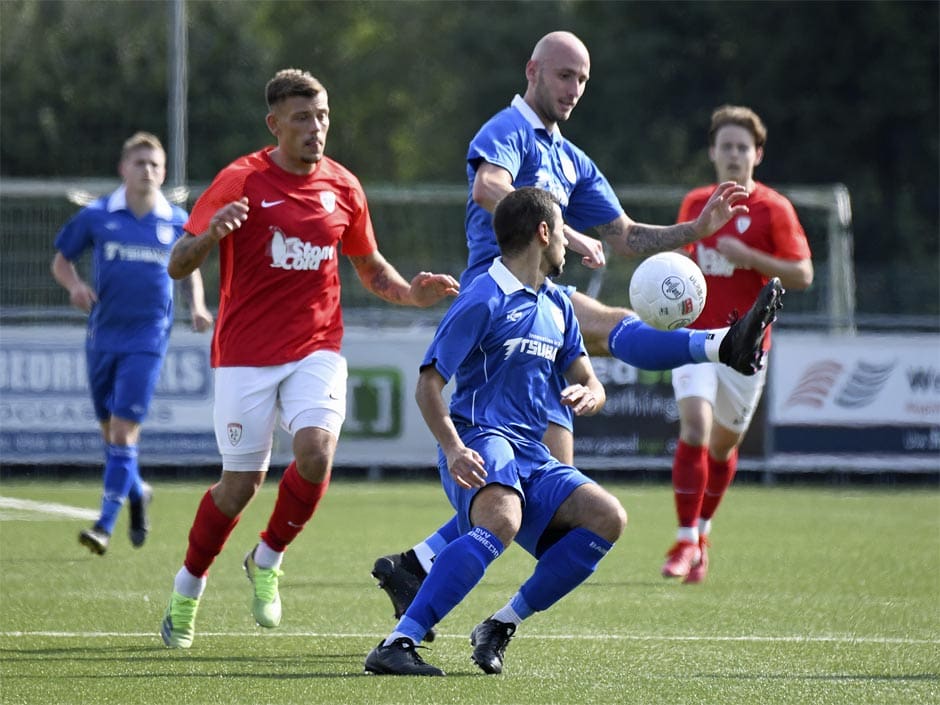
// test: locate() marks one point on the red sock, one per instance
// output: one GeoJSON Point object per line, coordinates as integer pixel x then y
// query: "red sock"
{"type": "Point", "coordinates": [297, 500]}
{"type": "Point", "coordinates": [207, 537]}
{"type": "Point", "coordinates": [720, 476]}
{"type": "Point", "coordinates": [688, 481]}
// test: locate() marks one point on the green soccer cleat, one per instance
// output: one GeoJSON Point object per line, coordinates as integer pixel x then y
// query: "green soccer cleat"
{"type": "Point", "coordinates": [266, 603]}
{"type": "Point", "coordinates": [179, 621]}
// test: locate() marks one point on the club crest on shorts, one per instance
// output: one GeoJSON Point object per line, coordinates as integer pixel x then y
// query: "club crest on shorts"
{"type": "Point", "coordinates": [234, 433]}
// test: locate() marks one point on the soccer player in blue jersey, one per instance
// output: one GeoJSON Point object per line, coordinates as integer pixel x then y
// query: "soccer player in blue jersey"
{"type": "Point", "coordinates": [522, 146]}
{"type": "Point", "coordinates": [506, 339]}
{"type": "Point", "coordinates": [130, 305]}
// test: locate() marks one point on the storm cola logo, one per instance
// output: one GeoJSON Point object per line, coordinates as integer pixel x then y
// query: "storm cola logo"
{"type": "Point", "coordinates": [294, 253]}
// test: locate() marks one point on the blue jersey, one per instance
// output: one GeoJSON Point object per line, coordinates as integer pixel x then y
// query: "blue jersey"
{"type": "Point", "coordinates": [504, 343]}
{"type": "Point", "coordinates": [516, 140]}
{"type": "Point", "coordinates": [134, 312]}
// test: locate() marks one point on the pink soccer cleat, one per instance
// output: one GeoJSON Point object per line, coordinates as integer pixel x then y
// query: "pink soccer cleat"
{"type": "Point", "coordinates": [681, 557]}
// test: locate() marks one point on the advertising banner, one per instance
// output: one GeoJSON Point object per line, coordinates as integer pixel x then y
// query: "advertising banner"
{"type": "Point", "coordinates": [855, 394]}
{"type": "Point", "coordinates": [46, 414]}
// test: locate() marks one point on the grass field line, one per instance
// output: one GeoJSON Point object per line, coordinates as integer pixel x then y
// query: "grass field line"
{"type": "Point", "coordinates": [27, 505]}
{"type": "Point", "coordinates": [827, 639]}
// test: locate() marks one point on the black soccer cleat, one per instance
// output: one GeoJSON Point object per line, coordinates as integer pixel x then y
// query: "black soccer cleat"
{"type": "Point", "coordinates": [742, 347]}
{"type": "Point", "coordinates": [139, 519]}
{"type": "Point", "coordinates": [94, 539]}
{"type": "Point", "coordinates": [401, 575]}
{"type": "Point", "coordinates": [489, 639]}
{"type": "Point", "coordinates": [400, 658]}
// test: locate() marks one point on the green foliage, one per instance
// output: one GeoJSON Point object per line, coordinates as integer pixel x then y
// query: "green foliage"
{"type": "Point", "coordinates": [815, 595]}
{"type": "Point", "coordinates": [849, 90]}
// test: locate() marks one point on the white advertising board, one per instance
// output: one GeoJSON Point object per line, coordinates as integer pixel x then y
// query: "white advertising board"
{"type": "Point", "coordinates": [46, 413]}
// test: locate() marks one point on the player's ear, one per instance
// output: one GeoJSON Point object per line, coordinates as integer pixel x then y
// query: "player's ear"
{"type": "Point", "coordinates": [758, 155]}
{"type": "Point", "coordinates": [271, 121]}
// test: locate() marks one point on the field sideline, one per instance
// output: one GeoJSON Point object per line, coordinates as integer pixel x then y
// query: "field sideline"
{"type": "Point", "coordinates": [816, 595]}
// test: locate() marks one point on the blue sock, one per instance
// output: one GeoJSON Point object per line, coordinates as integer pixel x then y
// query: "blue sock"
{"type": "Point", "coordinates": [120, 474]}
{"type": "Point", "coordinates": [443, 536]}
{"type": "Point", "coordinates": [569, 562]}
{"type": "Point", "coordinates": [648, 348]}
{"type": "Point", "coordinates": [457, 569]}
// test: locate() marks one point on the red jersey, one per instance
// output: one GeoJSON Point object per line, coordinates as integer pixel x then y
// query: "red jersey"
{"type": "Point", "coordinates": [771, 226]}
{"type": "Point", "coordinates": [279, 297]}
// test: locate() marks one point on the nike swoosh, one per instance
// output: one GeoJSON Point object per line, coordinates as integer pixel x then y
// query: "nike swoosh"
{"type": "Point", "coordinates": [268, 204]}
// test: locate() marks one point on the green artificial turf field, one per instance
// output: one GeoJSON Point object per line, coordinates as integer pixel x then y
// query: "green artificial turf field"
{"type": "Point", "coordinates": [816, 595]}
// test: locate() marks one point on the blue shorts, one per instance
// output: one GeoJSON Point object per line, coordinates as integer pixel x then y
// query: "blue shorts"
{"type": "Point", "coordinates": [542, 482]}
{"type": "Point", "coordinates": [122, 384]}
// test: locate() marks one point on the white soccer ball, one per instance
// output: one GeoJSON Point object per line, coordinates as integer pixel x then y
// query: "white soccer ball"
{"type": "Point", "coordinates": [668, 291]}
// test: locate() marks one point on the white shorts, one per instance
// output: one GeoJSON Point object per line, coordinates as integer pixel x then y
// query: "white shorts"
{"type": "Point", "coordinates": [248, 400]}
{"type": "Point", "coordinates": [733, 396]}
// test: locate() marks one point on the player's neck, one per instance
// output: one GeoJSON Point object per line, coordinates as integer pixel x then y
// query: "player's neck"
{"type": "Point", "coordinates": [526, 271]}
{"type": "Point", "coordinates": [141, 202]}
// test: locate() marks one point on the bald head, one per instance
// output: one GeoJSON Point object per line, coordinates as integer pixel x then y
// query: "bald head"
{"type": "Point", "coordinates": [556, 74]}
{"type": "Point", "coordinates": [554, 43]}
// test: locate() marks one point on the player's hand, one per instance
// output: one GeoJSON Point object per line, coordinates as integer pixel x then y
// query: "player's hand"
{"type": "Point", "coordinates": [228, 218]}
{"type": "Point", "coordinates": [466, 467]}
{"type": "Point", "coordinates": [202, 320]}
{"type": "Point", "coordinates": [580, 398]}
{"type": "Point", "coordinates": [428, 288]}
{"type": "Point", "coordinates": [725, 203]}
{"type": "Point", "coordinates": [735, 251]}
{"type": "Point", "coordinates": [590, 249]}
{"type": "Point", "coordinates": [83, 297]}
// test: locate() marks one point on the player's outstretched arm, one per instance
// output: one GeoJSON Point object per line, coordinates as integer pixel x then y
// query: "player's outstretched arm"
{"type": "Point", "coordinates": [379, 276]}
{"type": "Point", "coordinates": [632, 239]}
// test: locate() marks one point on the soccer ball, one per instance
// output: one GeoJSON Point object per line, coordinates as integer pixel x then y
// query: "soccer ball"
{"type": "Point", "coordinates": [668, 291]}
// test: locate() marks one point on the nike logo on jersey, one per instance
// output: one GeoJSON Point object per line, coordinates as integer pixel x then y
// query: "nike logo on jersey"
{"type": "Point", "coordinates": [269, 204]}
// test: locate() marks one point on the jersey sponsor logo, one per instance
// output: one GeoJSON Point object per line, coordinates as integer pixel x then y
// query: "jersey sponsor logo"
{"type": "Point", "coordinates": [712, 262]}
{"type": "Point", "coordinates": [234, 431]}
{"type": "Point", "coordinates": [270, 204]}
{"type": "Point", "coordinates": [742, 223]}
{"type": "Point", "coordinates": [294, 253]}
{"type": "Point", "coordinates": [535, 346]}
{"type": "Point", "coordinates": [328, 199]}
{"type": "Point", "coordinates": [135, 253]}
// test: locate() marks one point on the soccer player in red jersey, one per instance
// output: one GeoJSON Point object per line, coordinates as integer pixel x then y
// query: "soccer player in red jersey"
{"type": "Point", "coordinates": [716, 403]}
{"type": "Point", "coordinates": [280, 217]}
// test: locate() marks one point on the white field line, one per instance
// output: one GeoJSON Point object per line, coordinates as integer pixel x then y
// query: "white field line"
{"type": "Point", "coordinates": [26, 505]}
{"type": "Point", "coordinates": [823, 639]}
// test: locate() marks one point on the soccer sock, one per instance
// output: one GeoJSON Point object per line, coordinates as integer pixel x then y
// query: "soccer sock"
{"type": "Point", "coordinates": [297, 500]}
{"type": "Point", "coordinates": [435, 543]}
{"type": "Point", "coordinates": [720, 477]}
{"type": "Point", "coordinates": [210, 530]}
{"type": "Point", "coordinates": [457, 569]}
{"type": "Point", "coordinates": [566, 564]}
{"type": "Point", "coordinates": [648, 348]}
{"type": "Point", "coordinates": [688, 481]}
{"type": "Point", "coordinates": [514, 611]}
{"type": "Point", "coordinates": [120, 471]}
{"type": "Point", "coordinates": [188, 585]}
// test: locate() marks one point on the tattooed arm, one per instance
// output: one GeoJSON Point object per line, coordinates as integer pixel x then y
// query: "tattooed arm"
{"type": "Point", "coordinates": [190, 252]}
{"type": "Point", "coordinates": [382, 279]}
{"type": "Point", "coordinates": [632, 239]}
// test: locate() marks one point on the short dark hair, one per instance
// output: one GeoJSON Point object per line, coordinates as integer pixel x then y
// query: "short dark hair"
{"type": "Point", "coordinates": [741, 116]}
{"type": "Point", "coordinates": [518, 215]}
{"type": "Point", "coordinates": [288, 83]}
